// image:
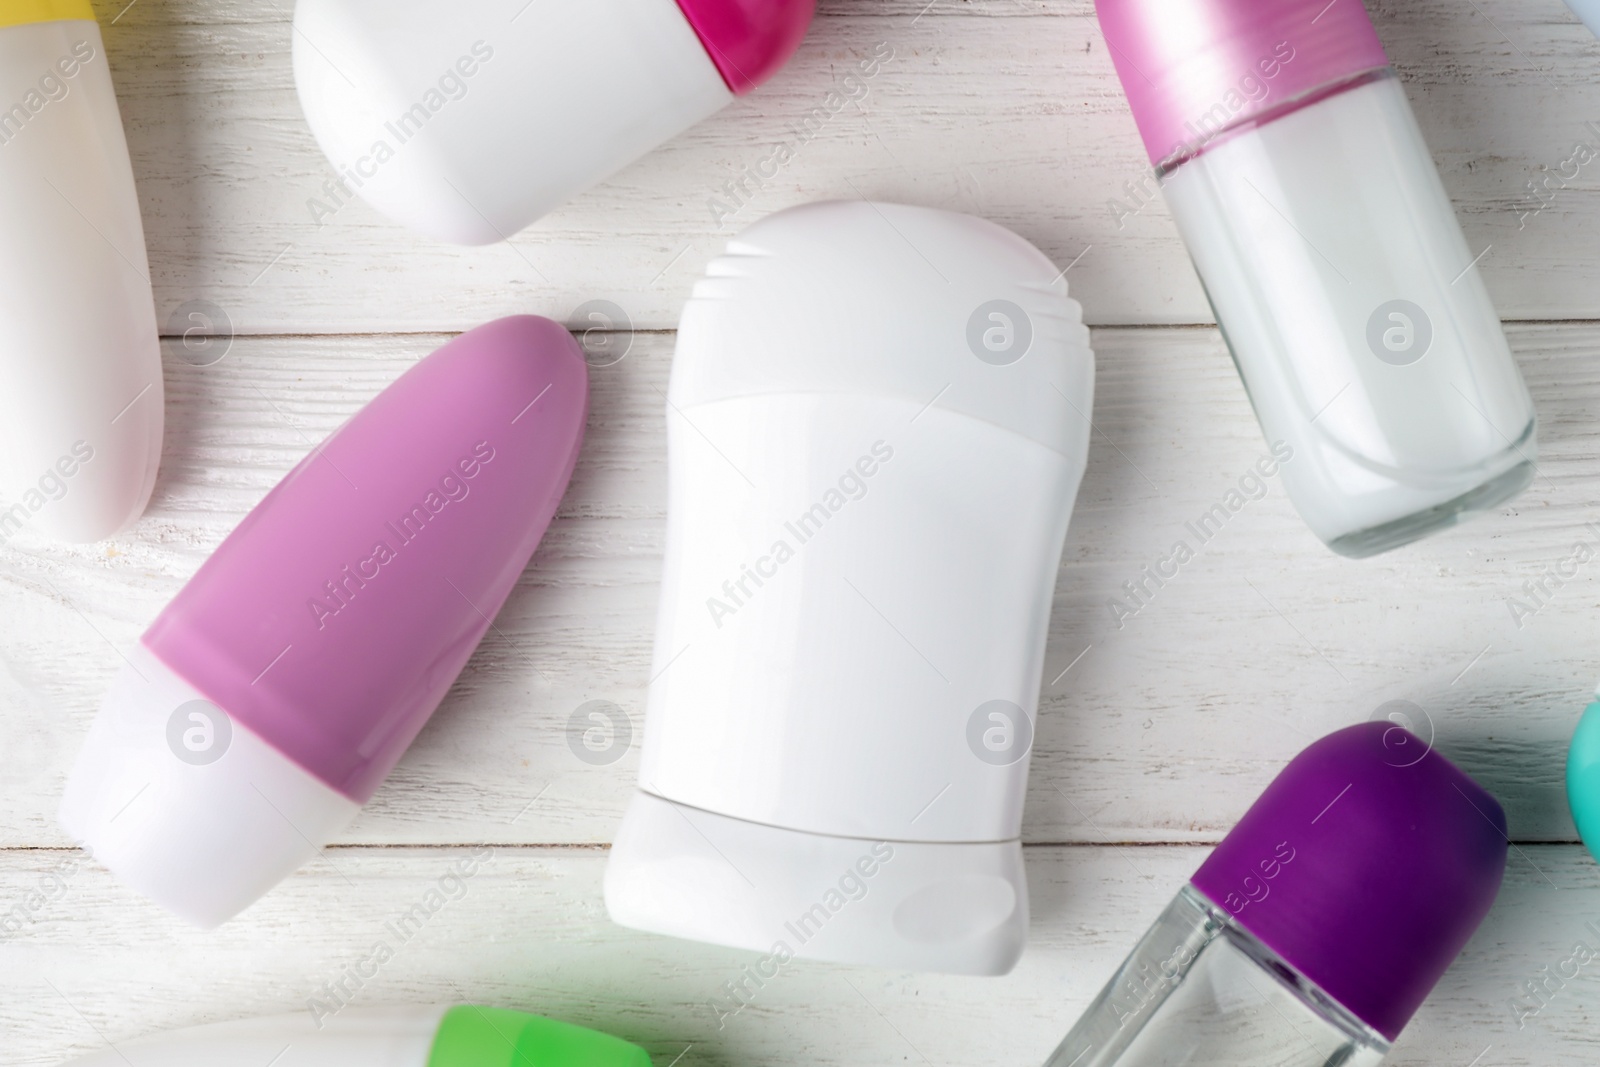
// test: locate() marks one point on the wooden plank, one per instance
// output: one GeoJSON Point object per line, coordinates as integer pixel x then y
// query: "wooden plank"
{"type": "Point", "coordinates": [1005, 108]}
{"type": "Point", "coordinates": [1164, 730]}
{"type": "Point", "coordinates": [528, 930]}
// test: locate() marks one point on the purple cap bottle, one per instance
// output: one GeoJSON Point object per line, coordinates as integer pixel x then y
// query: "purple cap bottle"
{"type": "Point", "coordinates": [1317, 928]}
{"type": "Point", "coordinates": [267, 702]}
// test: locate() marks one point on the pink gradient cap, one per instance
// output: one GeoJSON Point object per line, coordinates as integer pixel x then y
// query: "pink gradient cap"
{"type": "Point", "coordinates": [749, 40]}
{"type": "Point", "coordinates": [334, 619]}
{"type": "Point", "coordinates": [1191, 68]}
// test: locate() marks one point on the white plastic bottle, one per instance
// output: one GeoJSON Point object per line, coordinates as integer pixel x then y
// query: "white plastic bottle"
{"type": "Point", "coordinates": [80, 358]}
{"type": "Point", "coordinates": [1337, 270]}
{"type": "Point", "coordinates": [470, 120]}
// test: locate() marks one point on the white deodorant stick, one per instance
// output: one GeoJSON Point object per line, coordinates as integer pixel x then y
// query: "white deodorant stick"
{"type": "Point", "coordinates": [878, 420]}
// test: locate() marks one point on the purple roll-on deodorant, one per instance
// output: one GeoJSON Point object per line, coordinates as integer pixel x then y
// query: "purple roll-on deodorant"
{"type": "Point", "coordinates": [267, 702]}
{"type": "Point", "coordinates": [1317, 928]}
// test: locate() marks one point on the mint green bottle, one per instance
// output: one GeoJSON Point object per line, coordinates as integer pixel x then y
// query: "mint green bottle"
{"type": "Point", "coordinates": [1583, 777]}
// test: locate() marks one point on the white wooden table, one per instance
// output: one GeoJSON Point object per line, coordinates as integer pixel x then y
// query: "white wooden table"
{"type": "Point", "coordinates": [1148, 748]}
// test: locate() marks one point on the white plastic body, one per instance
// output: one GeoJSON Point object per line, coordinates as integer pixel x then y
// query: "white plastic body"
{"type": "Point", "coordinates": [80, 358]}
{"type": "Point", "coordinates": [396, 1037]}
{"type": "Point", "coordinates": [203, 836]}
{"type": "Point", "coordinates": [1589, 12]}
{"type": "Point", "coordinates": [522, 106]}
{"type": "Point", "coordinates": [808, 681]}
{"type": "Point", "coordinates": [957, 908]}
{"type": "Point", "coordinates": [865, 520]}
{"type": "Point", "coordinates": [1305, 230]}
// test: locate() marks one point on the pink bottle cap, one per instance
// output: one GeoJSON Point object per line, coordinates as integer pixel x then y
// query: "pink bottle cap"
{"type": "Point", "coordinates": [749, 40]}
{"type": "Point", "coordinates": [267, 702]}
{"type": "Point", "coordinates": [1194, 68]}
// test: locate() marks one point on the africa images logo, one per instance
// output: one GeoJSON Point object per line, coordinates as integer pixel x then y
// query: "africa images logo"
{"type": "Point", "coordinates": [340, 591]}
{"type": "Point", "coordinates": [1399, 333]}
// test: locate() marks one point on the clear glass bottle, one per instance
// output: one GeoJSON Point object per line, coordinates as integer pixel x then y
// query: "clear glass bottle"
{"type": "Point", "coordinates": [1338, 273]}
{"type": "Point", "coordinates": [1313, 932]}
{"type": "Point", "coordinates": [1199, 990]}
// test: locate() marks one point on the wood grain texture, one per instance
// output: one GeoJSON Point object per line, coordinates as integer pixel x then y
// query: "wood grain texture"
{"type": "Point", "coordinates": [94, 964]}
{"type": "Point", "coordinates": [1156, 730]}
{"type": "Point", "coordinates": [1003, 108]}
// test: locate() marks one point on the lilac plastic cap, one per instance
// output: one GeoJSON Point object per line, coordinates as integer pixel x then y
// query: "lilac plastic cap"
{"type": "Point", "coordinates": [1194, 68]}
{"type": "Point", "coordinates": [335, 618]}
{"type": "Point", "coordinates": [1366, 866]}
{"type": "Point", "coordinates": [282, 684]}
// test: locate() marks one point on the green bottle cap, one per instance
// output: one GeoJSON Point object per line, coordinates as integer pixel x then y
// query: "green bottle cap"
{"type": "Point", "coordinates": [1583, 778]}
{"type": "Point", "coordinates": [471, 1036]}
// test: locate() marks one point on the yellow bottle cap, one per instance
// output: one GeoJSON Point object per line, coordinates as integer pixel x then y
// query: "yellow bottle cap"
{"type": "Point", "coordinates": [22, 12]}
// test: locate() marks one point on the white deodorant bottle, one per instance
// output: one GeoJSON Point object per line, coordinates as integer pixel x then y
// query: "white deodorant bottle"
{"type": "Point", "coordinates": [878, 420]}
{"type": "Point", "coordinates": [470, 120]}
{"type": "Point", "coordinates": [80, 366]}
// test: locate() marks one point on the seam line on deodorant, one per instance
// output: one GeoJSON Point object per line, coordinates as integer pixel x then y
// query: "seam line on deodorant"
{"type": "Point", "coordinates": [132, 402]}
{"type": "Point", "coordinates": [1069, 266]}
{"type": "Point", "coordinates": [273, 664]}
{"type": "Point", "coordinates": [871, 396]}
{"type": "Point", "coordinates": [814, 833]}
{"type": "Point", "coordinates": [532, 402]}
{"type": "Point", "coordinates": [1474, 263]}
{"type": "Point", "coordinates": [1331, 803]}
{"type": "Point", "coordinates": [272, 263]}
{"type": "Point", "coordinates": [932, 802]}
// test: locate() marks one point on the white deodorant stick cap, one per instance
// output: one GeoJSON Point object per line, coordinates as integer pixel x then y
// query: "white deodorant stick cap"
{"type": "Point", "coordinates": [856, 297]}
